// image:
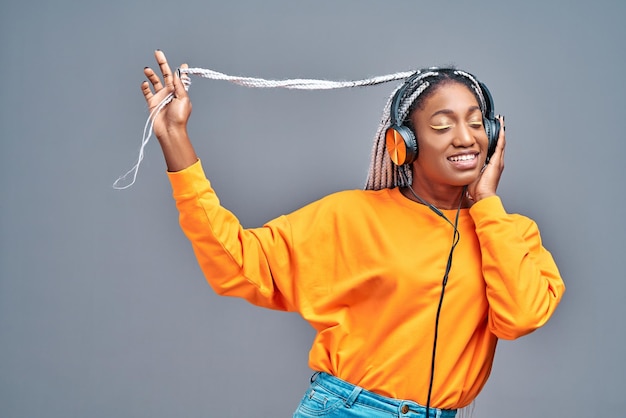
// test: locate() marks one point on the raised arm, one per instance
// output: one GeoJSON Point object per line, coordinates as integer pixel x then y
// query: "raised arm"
{"type": "Point", "coordinates": [235, 261]}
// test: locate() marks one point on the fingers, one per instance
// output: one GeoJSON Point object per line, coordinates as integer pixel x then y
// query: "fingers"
{"type": "Point", "coordinates": [154, 84]}
{"type": "Point", "coordinates": [487, 182]}
{"type": "Point", "coordinates": [501, 142]}
{"type": "Point", "coordinates": [153, 78]}
{"type": "Point", "coordinates": [166, 71]}
{"type": "Point", "coordinates": [498, 153]}
{"type": "Point", "coordinates": [179, 87]}
{"type": "Point", "coordinates": [501, 137]}
{"type": "Point", "coordinates": [147, 92]}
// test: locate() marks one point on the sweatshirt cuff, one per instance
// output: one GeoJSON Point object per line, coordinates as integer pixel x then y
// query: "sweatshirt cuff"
{"type": "Point", "coordinates": [185, 181]}
{"type": "Point", "coordinates": [489, 207]}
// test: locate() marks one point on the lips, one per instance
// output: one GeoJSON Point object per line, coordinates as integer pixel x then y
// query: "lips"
{"type": "Point", "coordinates": [463, 157]}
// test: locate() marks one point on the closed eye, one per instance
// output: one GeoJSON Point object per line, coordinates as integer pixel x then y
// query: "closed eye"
{"type": "Point", "coordinates": [441, 127]}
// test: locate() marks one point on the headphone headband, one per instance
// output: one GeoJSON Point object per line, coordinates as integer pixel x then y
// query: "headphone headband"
{"type": "Point", "coordinates": [397, 98]}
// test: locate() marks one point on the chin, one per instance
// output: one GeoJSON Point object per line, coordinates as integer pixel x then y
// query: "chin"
{"type": "Point", "coordinates": [465, 179]}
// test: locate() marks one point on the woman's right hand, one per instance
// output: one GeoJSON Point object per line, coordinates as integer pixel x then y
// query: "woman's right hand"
{"type": "Point", "coordinates": [170, 125]}
{"type": "Point", "coordinates": [173, 118]}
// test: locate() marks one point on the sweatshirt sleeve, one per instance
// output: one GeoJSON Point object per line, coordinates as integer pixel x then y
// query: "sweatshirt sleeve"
{"type": "Point", "coordinates": [237, 262]}
{"type": "Point", "coordinates": [523, 283]}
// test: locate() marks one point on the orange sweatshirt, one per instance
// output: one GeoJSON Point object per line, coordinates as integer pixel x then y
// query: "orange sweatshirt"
{"type": "Point", "coordinates": [365, 269]}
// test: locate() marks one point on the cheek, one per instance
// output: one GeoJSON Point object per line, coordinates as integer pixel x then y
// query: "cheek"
{"type": "Point", "coordinates": [433, 149]}
{"type": "Point", "coordinates": [484, 147]}
{"type": "Point", "coordinates": [430, 143]}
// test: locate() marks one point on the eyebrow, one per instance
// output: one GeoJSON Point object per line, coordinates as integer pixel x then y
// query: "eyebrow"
{"type": "Point", "coordinates": [451, 112]}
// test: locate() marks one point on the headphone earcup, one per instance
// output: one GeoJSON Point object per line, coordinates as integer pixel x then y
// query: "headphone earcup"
{"type": "Point", "coordinates": [492, 128]}
{"type": "Point", "coordinates": [401, 144]}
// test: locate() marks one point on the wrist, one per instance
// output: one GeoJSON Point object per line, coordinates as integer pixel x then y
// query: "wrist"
{"type": "Point", "coordinates": [177, 150]}
{"type": "Point", "coordinates": [173, 134]}
{"type": "Point", "coordinates": [481, 196]}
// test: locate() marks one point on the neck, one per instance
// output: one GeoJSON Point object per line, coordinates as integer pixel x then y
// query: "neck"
{"type": "Point", "coordinates": [452, 198]}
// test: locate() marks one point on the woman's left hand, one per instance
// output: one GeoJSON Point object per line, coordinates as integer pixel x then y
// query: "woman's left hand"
{"type": "Point", "coordinates": [487, 182]}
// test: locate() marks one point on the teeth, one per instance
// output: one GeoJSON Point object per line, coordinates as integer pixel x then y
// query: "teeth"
{"type": "Point", "coordinates": [464, 157]}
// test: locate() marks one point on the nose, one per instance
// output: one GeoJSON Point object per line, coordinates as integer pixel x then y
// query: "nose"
{"type": "Point", "coordinates": [463, 137]}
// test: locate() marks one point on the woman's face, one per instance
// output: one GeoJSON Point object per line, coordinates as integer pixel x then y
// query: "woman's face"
{"type": "Point", "coordinates": [451, 139]}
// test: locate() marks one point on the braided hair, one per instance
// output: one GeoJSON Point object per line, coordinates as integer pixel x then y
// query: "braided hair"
{"type": "Point", "coordinates": [383, 173]}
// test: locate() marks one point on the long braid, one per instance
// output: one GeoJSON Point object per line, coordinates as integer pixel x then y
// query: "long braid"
{"type": "Point", "coordinates": [378, 169]}
{"type": "Point", "coordinates": [383, 173]}
{"type": "Point", "coordinates": [128, 179]}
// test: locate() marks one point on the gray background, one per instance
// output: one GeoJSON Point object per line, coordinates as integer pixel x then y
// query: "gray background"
{"type": "Point", "coordinates": [103, 310]}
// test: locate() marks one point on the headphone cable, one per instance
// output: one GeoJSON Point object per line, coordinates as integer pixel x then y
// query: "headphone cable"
{"type": "Point", "coordinates": [456, 236]}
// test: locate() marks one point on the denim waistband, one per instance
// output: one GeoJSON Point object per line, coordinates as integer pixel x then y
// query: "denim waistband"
{"type": "Point", "coordinates": [355, 394]}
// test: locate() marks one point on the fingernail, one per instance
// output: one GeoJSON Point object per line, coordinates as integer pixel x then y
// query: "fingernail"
{"type": "Point", "coordinates": [178, 72]}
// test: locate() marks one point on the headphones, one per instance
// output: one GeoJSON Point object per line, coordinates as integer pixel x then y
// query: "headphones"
{"type": "Point", "coordinates": [400, 139]}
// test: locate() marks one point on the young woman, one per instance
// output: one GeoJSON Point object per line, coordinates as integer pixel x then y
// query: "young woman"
{"type": "Point", "coordinates": [368, 269]}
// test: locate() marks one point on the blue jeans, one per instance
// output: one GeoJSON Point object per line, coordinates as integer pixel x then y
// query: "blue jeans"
{"type": "Point", "coordinates": [329, 396]}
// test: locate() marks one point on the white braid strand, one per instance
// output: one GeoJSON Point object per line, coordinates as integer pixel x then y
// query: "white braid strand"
{"type": "Point", "coordinates": [298, 84]}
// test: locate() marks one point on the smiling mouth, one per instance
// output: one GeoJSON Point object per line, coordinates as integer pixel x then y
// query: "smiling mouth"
{"type": "Point", "coordinates": [463, 157]}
